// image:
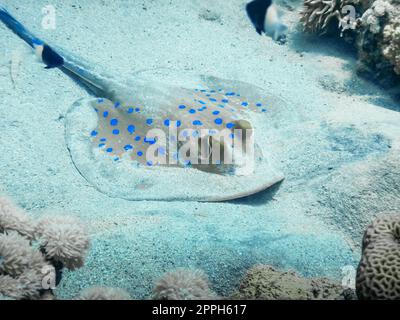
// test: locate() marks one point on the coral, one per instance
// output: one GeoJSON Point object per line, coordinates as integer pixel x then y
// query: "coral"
{"type": "Point", "coordinates": [317, 14]}
{"type": "Point", "coordinates": [27, 285]}
{"type": "Point", "coordinates": [379, 269]}
{"type": "Point", "coordinates": [183, 284]}
{"type": "Point", "coordinates": [63, 239]}
{"type": "Point", "coordinates": [14, 218]}
{"type": "Point", "coordinates": [263, 282]}
{"type": "Point", "coordinates": [375, 30]}
{"type": "Point", "coordinates": [17, 255]}
{"type": "Point", "coordinates": [30, 252]}
{"type": "Point", "coordinates": [103, 293]}
{"type": "Point", "coordinates": [391, 42]}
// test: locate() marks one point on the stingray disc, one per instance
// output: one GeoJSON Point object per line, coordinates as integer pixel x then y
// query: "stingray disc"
{"type": "Point", "coordinates": [200, 139]}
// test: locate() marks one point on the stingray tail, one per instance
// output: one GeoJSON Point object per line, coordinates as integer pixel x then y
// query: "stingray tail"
{"type": "Point", "coordinates": [18, 28]}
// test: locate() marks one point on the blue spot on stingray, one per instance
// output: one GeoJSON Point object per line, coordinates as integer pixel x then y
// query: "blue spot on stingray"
{"type": "Point", "coordinates": [139, 153]}
{"type": "Point", "coordinates": [245, 104]}
{"type": "Point", "coordinates": [221, 106]}
{"type": "Point", "coordinates": [101, 100]}
{"type": "Point", "coordinates": [203, 90]}
{"type": "Point", "coordinates": [230, 125]}
{"type": "Point", "coordinates": [137, 109]}
{"type": "Point", "coordinates": [128, 147]}
{"type": "Point", "coordinates": [212, 91]}
{"type": "Point", "coordinates": [149, 163]}
{"type": "Point", "coordinates": [137, 138]}
{"type": "Point", "coordinates": [215, 112]}
{"type": "Point", "coordinates": [218, 121]}
{"type": "Point", "coordinates": [182, 106]}
{"type": "Point", "coordinates": [178, 123]}
{"type": "Point", "coordinates": [103, 139]}
{"type": "Point", "coordinates": [131, 128]}
{"type": "Point", "coordinates": [202, 102]}
{"type": "Point", "coordinates": [264, 110]}
{"type": "Point", "coordinates": [116, 105]}
{"type": "Point", "coordinates": [213, 99]}
{"type": "Point", "coordinates": [101, 145]}
{"type": "Point", "coordinates": [116, 159]}
{"type": "Point", "coordinates": [109, 149]}
{"type": "Point", "coordinates": [114, 122]}
{"type": "Point", "coordinates": [231, 136]}
{"type": "Point", "coordinates": [129, 110]}
{"type": "Point", "coordinates": [95, 109]}
{"type": "Point", "coordinates": [230, 94]}
{"type": "Point", "coordinates": [166, 122]}
{"type": "Point", "coordinates": [258, 104]}
{"type": "Point", "coordinates": [192, 111]}
{"type": "Point", "coordinates": [161, 150]}
{"type": "Point", "coordinates": [225, 100]}
{"type": "Point", "coordinates": [115, 131]}
{"type": "Point", "coordinates": [149, 121]}
{"type": "Point", "coordinates": [195, 134]}
{"type": "Point", "coordinates": [94, 133]}
{"type": "Point", "coordinates": [105, 114]}
{"type": "Point", "coordinates": [197, 123]}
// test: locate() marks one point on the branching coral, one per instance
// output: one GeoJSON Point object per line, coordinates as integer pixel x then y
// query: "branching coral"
{"type": "Point", "coordinates": [63, 239]}
{"type": "Point", "coordinates": [29, 253]}
{"type": "Point", "coordinates": [183, 284]}
{"type": "Point", "coordinates": [379, 268]}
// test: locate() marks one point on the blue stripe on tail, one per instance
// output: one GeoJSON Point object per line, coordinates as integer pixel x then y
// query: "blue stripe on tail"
{"type": "Point", "coordinates": [18, 28]}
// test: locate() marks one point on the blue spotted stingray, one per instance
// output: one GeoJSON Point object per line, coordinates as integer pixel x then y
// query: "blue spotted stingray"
{"type": "Point", "coordinates": [124, 113]}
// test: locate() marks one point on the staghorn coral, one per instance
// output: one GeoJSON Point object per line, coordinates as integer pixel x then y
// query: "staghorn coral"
{"type": "Point", "coordinates": [183, 284]}
{"type": "Point", "coordinates": [379, 269]}
{"type": "Point", "coordinates": [103, 293]}
{"type": "Point", "coordinates": [263, 282]}
{"type": "Point", "coordinates": [29, 253]}
{"type": "Point", "coordinates": [63, 239]}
